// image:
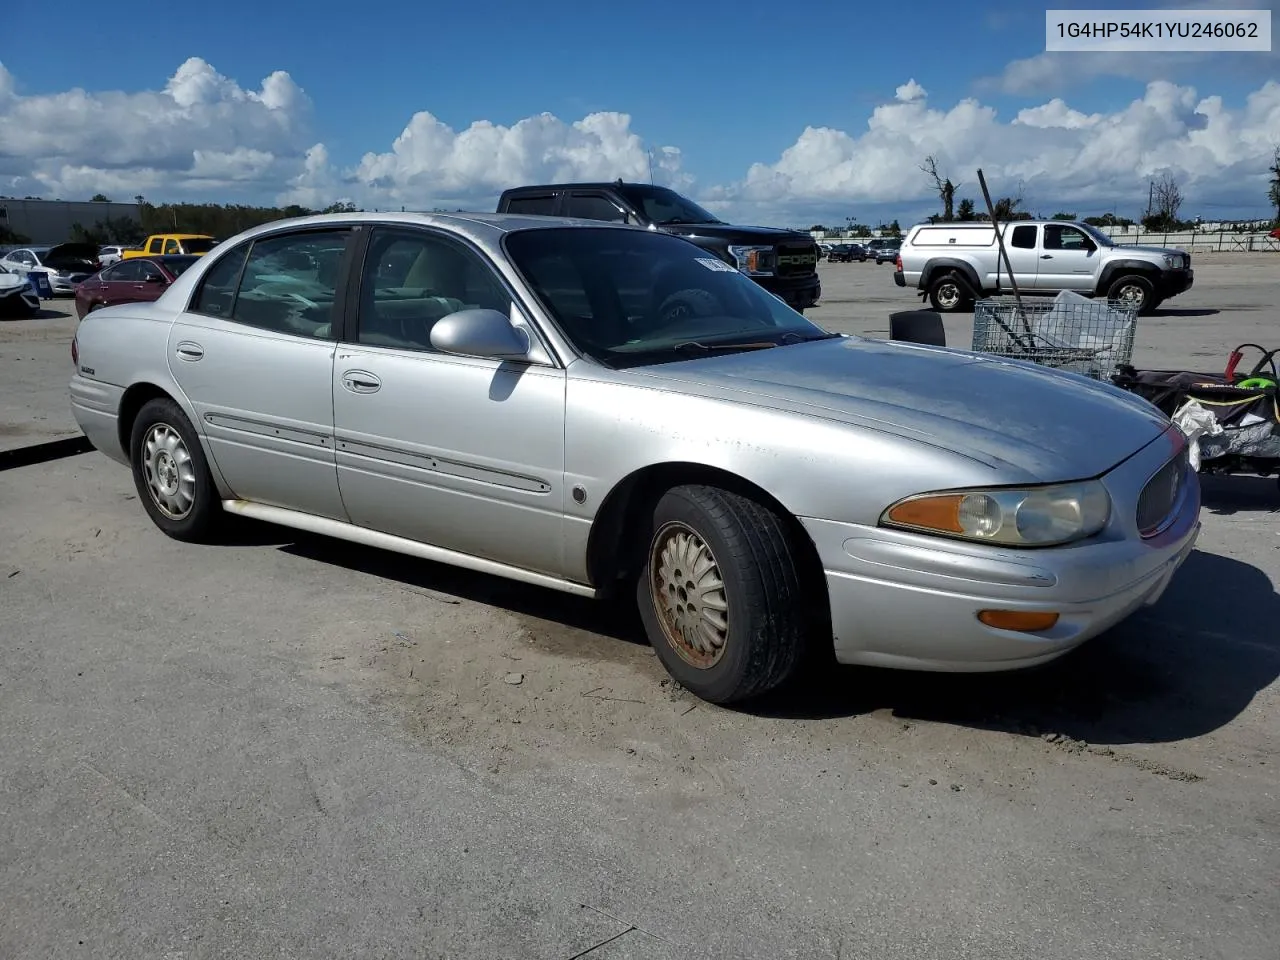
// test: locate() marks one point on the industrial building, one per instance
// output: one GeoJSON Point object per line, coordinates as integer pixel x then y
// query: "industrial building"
{"type": "Point", "coordinates": [46, 222]}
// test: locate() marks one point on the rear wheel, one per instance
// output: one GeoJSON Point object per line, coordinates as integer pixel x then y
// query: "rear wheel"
{"type": "Point", "coordinates": [721, 595]}
{"type": "Point", "coordinates": [946, 295]}
{"type": "Point", "coordinates": [171, 473]}
{"type": "Point", "coordinates": [1136, 290]}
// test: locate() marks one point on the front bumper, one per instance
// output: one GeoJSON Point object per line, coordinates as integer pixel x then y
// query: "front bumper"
{"type": "Point", "coordinates": [19, 301]}
{"type": "Point", "coordinates": [67, 284]}
{"type": "Point", "coordinates": [910, 601]}
{"type": "Point", "coordinates": [798, 293]}
{"type": "Point", "coordinates": [1174, 282]}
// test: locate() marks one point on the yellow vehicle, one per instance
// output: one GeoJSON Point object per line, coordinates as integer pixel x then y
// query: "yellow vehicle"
{"type": "Point", "coordinates": [192, 244]}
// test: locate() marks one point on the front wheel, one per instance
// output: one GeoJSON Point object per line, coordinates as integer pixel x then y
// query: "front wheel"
{"type": "Point", "coordinates": [721, 595]}
{"type": "Point", "coordinates": [171, 473]}
{"type": "Point", "coordinates": [946, 295]}
{"type": "Point", "coordinates": [1135, 290]}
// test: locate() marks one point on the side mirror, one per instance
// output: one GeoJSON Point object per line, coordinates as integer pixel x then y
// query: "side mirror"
{"type": "Point", "coordinates": [480, 333]}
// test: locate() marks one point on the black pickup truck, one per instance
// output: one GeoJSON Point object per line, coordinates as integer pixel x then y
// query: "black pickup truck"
{"type": "Point", "coordinates": [784, 262]}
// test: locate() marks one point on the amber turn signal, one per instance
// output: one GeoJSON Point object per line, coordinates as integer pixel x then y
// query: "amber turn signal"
{"type": "Point", "coordinates": [940, 513]}
{"type": "Point", "coordinates": [1024, 621]}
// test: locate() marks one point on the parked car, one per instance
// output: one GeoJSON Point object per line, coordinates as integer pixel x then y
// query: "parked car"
{"type": "Point", "coordinates": [130, 281]}
{"type": "Point", "coordinates": [784, 262]}
{"type": "Point", "coordinates": [885, 249]}
{"type": "Point", "coordinates": [604, 408]}
{"type": "Point", "coordinates": [112, 253]}
{"type": "Point", "coordinates": [171, 244]}
{"type": "Point", "coordinates": [847, 253]}
{"type": "Point", "coordinates": [952, 264]}
{"type": "Point", "coordinates": [64, 265]}
{"type": "Point", "coordinates": [18, 296]}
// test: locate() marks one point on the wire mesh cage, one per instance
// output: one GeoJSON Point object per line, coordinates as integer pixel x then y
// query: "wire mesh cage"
{"type": "Point", "coordinates": [1069, 332]}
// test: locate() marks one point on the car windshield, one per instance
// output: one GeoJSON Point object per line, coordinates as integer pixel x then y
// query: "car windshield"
{"type": "Point", "coordinates": [663, 206]}
{"type": "Point", "coordinates": [1102, 239]}
{"type": "Point", "coordinates": [631, 297]}
{"type": "Point", "coordinates": [198, 244]}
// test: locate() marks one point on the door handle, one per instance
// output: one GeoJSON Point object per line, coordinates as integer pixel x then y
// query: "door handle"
{"type": "Point", "coordinates": [190, 351]}
{"type": "Point", "coordinates": [361, 381]}
{"type": "Point", "coordinates": [1046, 256]}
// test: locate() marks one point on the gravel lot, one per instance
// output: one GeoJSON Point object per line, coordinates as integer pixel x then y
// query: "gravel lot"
{"type": "Point", "coordinates": [293, 747]}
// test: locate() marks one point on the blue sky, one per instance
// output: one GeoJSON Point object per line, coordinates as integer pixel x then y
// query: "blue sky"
{"type": "Point", "coordinates": [728, 85]}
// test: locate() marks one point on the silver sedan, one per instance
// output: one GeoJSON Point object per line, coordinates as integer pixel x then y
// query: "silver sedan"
{"type": "Point", "coordinates": [603, 410]}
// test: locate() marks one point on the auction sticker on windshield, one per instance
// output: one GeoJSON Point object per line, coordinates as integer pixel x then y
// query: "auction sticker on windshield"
{"type": "Point", "coordinates": [719, 265]}
{"type": "Point", "coordinates": [1158, 31]}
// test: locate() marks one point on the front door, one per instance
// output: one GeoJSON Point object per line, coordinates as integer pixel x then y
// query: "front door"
{"type": "Point", "coordinates": [1068, 259]}
{"type": "Point", "coordinates": [254, 355]}
{"type": "Point", "coordinates": [459, 452]}
{"type": "Point", "coordinates": [149, 283]}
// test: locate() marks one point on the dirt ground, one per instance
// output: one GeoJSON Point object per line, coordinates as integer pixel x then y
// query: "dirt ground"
{"type": "Point", "coordinates": [290, 746]}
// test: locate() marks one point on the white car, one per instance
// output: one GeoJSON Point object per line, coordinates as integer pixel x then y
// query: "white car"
{"type": "Point", "coordinates": [17, 295]}
{"type": "Point", "coordinates": [112, 253]}
{"type": "Point", "coordinates": [65, 265]}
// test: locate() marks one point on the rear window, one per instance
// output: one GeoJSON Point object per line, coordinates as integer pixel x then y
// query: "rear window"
{"type": "Point", "coordinates": [540, 205]}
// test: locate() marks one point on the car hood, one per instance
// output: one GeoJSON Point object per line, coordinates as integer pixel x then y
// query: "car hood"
{"type": "Point", "coordinates": [733, 232]}
{"type": "Point", "coordinates": [1158, 251]}
{"type": "Point", "coordinates": [72, 255]}
{"type": "Point", "coordinates": [1049, 425]}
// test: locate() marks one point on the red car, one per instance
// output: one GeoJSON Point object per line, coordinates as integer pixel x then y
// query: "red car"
{"type": "Point", "coordinates": [129, 281]}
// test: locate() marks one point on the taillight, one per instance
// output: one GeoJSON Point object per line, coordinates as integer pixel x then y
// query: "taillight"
{"type": "Point", "coordinates": [75, 353]}
{"type": "Point", "coordinates": [897, 263]}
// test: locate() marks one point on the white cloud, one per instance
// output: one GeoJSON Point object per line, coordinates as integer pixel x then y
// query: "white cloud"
{"type": "Point", "coordinates": [1059, 156]}
{"type": "Point", "coordinates": [910, 91]}
{"type": "Point", "coordinates": [203, 135]}
{"type": "Point", "coordinates": [202, 131]}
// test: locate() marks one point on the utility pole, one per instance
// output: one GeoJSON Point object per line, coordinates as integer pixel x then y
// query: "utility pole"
{"type": "Point", "coordinates": [1151, 192]}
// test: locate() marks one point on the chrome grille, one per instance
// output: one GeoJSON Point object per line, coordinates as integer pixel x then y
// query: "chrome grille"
{"type": "Point", "coordinates": [1160, 495]}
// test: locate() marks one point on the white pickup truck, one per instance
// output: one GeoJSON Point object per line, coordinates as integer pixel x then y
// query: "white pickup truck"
{"type": "Point", "coordinates": [954, 264]}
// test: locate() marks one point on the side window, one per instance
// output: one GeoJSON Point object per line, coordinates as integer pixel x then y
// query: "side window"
{"type": "Point", "coordinates": [171, 246]}
{"type": "Point", "coordinates": [146, 270]}
{"type": "Point", "coordinates": [25, 258]}
{"type": "Point", "coordinates": [1024, 237]}
{"type": "Point", "coordinates": [542, 205]}
{"type": "Point", "coordinates": [411, 280]}
{"type": "Point", "coordinates": [217, 292]}
{"type": "Point", "coordinates": [154, 245]}
{"type": "Point", "coordinates": [125, 270]}
{"type": "Point", "coordinates": [594, 207]}
{"type": "Point", "coordinates": [1063, 238]}
{"type": "Point", "coordinates": [289, 283]}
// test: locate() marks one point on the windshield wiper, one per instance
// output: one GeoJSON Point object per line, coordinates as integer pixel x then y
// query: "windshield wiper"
{"type": "Point", "coordinates": [697, 346]}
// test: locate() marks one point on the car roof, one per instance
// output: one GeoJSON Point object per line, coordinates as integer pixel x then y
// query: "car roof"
{"type": "Point", "coordinates": [583, 185]}
{"type": "Point", "coordinates": [490, 225]}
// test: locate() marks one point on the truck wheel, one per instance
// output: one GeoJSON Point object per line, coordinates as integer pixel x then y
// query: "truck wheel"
{"type": "Point", "coordinates": [721, 595]}
{"type": "Point", "coordinates": [1134, 289]}
{"type": "Point", "coordinates": [946, 295]}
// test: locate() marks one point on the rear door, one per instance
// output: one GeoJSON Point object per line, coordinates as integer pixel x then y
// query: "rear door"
{"type": "Point", "coordinates": [254, 354]}
{"type": "Point", "coordinates": [1022, 245]}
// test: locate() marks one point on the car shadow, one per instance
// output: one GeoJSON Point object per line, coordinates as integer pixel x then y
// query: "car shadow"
{"type": "Point", "coordinates": [614, 620]}
{"type": "Point", "coordinates": [1184, 312]}
{"type": "Point", "coordinates": [1185, 667]}
{"type": "Point", "coordinates": [1228, 495]}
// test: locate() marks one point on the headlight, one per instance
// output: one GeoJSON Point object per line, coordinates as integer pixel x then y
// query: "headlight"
{"type": "Point", "coordinates": [1173, 263]}
{"type": "Point", "coordinates": [1012, 516]}
{"type": "Point", "coordinates": [753, 261]}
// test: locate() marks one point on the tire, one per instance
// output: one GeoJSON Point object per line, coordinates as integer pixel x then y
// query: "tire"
{"type": "Point", "coordinates": [1134, 288]}
{"type": "Point", "coordinates": [192, 510]}
{"type": "Point", "coordinates": [756, 644]}
{"type": "Point", "coordinates": [946, 295]}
